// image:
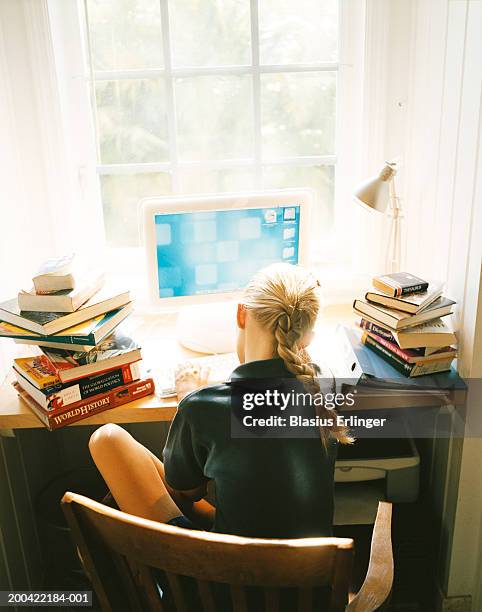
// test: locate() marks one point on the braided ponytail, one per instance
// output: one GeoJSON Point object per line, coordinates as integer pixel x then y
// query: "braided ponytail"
{"type": "Point", "coordinates": [284, 299]}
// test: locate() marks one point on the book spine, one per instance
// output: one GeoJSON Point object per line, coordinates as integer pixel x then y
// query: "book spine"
{"type": "Point", "coordinates": [130, 372]}
{"type": "Point", "coordinates": [87, 340]}
{"type": "Point", "coordinates": [393, 360]}
{"type": "Point", "coordinates": [57, 419]}
{"type": "Point", "coordinates": [73, 392]}
{"type": "Point", "coordinates": [376, 329]}
{"type": "Point", "coordinates": [394, 289]}
{"type": "Point", "coordinates": [106, 402]}
{"type": "Point", "coordinates": [79, 340]}
{"type": "Point", "coordinates": [418, 288]}
{"type": "Point", "coordinates": [393, 348]}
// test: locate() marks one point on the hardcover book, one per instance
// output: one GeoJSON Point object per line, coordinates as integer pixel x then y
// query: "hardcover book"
{"type": "Point", "coordinates": [55, 419]}
{"type": "Point", "coordinates": [407, 369]}
{"type": "Point", "coordinates": [399, 283]}
{"type": "Point", "coordinates": [396, 320]}
{"type": "Point", "coordinates": [414, 355]}
{"type": "Point", "coordinates": [367, 369]}
{"type": "Point", "coordinates": [61, 395]}
{"type": "Point", "coordinates": [116, 350]}
{"type": "Point", "coordinates": [48, 323]}
{"type": "Point", "coordinates": [413, 303]}
{"type": "Point", "coordinates": [426, 338]}
{"type": "Point", "coordinates": [89, 333]}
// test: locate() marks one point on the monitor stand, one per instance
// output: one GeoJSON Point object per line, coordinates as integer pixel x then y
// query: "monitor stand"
{"type": "Point", "coordinates": [208, 328]}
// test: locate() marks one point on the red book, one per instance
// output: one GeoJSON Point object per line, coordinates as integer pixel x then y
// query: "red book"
{"type": "Point", "coordinates": [54, 419]}
{"type": "Point", "coordinates": [412, 355]}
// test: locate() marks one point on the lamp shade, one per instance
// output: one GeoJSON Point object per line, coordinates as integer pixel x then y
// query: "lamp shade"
{"type": "Point", "coordinates": [374, 192]}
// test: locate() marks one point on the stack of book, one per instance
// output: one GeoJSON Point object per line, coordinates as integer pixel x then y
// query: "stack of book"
{"type": "Point", "coordinates": [84, 362]}
{"type": "Point", "coordinates": [403, 321]}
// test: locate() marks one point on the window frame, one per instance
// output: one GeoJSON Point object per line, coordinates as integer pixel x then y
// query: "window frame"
{"type": "Point", "coordinates": [69, 38]}
{"type": "Point", "coordinates": [255, 69]}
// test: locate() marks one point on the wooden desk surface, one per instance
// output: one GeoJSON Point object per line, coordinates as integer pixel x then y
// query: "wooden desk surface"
{"type": "Point", "coordinates": [157, 336]}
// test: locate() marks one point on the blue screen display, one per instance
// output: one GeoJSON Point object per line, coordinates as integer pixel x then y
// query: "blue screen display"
{"type": "Point", "coordinates": [218, 251]}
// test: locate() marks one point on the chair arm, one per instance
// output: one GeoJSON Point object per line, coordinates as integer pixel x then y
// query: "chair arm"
{"type": "Point", "coordinates": [378, 582]}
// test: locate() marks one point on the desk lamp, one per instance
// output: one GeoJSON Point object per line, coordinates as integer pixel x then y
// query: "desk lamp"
{"type": "Point", "coordinates": [375, 194]}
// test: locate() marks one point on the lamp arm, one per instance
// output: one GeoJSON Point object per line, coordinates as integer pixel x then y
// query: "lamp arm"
{"type": "Point", "coordinates": [393, 253]}
{"type": "Point", "coordinates": [394, 199]}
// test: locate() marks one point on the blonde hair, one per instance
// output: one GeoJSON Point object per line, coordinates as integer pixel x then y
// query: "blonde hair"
{"type": "Point", "coordinates": [284, 299]}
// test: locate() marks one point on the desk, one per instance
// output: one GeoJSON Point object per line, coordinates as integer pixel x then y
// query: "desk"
{"type": "Point", "coordinates": [157, 336]}
{"type": "Point", "coordinates": [30, 456]}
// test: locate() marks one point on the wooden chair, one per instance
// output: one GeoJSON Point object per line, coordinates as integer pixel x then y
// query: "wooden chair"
{"type": "Point", "coordinates": [120, 551]}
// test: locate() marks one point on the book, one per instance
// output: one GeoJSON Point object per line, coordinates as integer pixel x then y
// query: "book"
{"type": "Point", "coordinates": [58, 345]}
{"type": "Point", "coordinates": [431, 332]}
{"type": "Point", "coordinates": [407, 369]}
{"type": "Point", "coordinates": [414, 355]}
{"type": "Point", "coordinates": [48, 323]}
{"type": "Point", "coordinates": [116, 350]}
{"type": "Point", "coordinates": [56, 265]}
{"type": "Point", "coordinates": [55, 275]}
{"type": "Point", "coordinates": [86, 335]}
{"type": "Point", "coordinates": [396, 319]}
{"type": "Point", "coordinates": [399, 284]}
{"type": "Point", "coordinates": [61, 395]}
{"type": "Point", "coordinates": [55, 419]}
{"type": "Point", "coordinates": [358, 366]}
{"type": "Point", "coordinates": [412, 303]}
{"type": "Point", "coordinates": [39, 370]}
{"type": "Point", "coordinates": [66, 300]}
{"type": "Point", "coordinates": [432, 335]}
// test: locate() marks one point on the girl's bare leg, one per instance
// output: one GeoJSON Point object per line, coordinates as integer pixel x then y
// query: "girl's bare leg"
{"type": "Point", "coordinates": [135, 477]}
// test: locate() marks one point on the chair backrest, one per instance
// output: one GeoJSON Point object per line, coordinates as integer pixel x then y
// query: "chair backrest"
{"type": "Point", "coordinates": [130, 561]}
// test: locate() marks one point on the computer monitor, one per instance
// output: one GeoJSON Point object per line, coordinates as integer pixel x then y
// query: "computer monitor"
{"type": "Point", "coordinates": [205, 249]}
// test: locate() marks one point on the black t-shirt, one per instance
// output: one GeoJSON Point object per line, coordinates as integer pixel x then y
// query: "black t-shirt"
{"type": "Point", "coordinates": [265, 487]}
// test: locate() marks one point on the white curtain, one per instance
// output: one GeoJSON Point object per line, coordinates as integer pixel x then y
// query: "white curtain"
{"type": "Point", "coordinates": [49, 200]}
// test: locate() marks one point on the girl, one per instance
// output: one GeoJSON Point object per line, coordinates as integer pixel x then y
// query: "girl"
{"type": "Point", "coordinates": [265, 487]}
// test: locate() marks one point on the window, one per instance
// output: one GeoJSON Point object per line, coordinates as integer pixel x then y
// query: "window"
{"type": "Point", "coordinates": [196, 96]}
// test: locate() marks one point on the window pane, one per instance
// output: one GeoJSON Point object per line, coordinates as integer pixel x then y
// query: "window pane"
{"type": "Point", "coordinates": [197, 180]}
{"type": "Point", "coordinates": [214, 117]}
{"type": "Point", "coordinates": [305, 31]}
{"type": "Point", "coordinates": [131, 117]}
{"type": "Point", "coordinates": [209, 32]}
{"type": "Point", "coordinates": [125, 34]}
{"type": "Point", "coordinates": [298, 114]}
{"type": "Point", "coordinates": [120, 198]}
{"type": "Point", "coordinates": [319, 178]}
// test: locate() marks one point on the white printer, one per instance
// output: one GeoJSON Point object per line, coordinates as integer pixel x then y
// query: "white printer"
{"type": "Point", "coordinates": [393, 462]}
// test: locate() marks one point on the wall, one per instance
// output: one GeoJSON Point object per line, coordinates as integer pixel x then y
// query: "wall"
{"type": "Point", "coordinates": [443, 239]}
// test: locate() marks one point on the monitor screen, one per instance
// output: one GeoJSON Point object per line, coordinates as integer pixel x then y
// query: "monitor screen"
{"type": "Point", "coordinates": [219, 251]}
